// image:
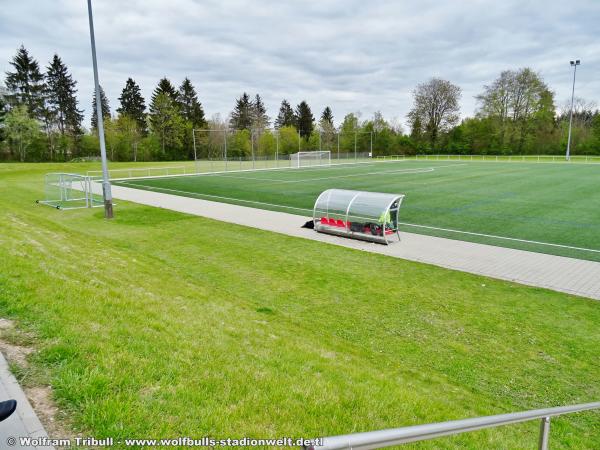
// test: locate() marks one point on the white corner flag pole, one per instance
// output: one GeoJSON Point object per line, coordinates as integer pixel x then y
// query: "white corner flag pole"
{"type": "Point", "coordinates": [106, 192]}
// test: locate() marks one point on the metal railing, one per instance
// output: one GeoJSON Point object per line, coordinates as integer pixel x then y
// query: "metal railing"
{"type": "Point", "coordinates": [588, 159]}
{"type": "Point", "coordinates": [139, 172]}
{"type": "Point", "coordinates": [397, 436]}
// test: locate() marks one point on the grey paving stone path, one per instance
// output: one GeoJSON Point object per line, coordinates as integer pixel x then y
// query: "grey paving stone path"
{"type": "Point", "coordinates": [24, 422]}
{"type": "Point", "coordinates": [558, 273]}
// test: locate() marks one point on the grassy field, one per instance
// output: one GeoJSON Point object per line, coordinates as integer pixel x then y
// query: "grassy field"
{"type": "Point", "coordinates": [555, 205]}
{"type": "Point", "coordinates": [158, 324]}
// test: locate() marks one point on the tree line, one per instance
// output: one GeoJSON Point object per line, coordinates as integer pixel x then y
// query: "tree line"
{"type": "Point", "coordinates": [40, 120]}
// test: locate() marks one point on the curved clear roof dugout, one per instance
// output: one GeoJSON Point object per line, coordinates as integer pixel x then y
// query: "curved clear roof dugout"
{"type": "Point", "coordinates": [371, 216]}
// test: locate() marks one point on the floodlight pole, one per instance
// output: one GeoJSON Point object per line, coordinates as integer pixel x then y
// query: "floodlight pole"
{"type": "Point", "coordinates": [106, 191]}
{"type": "Point", "coordinates": [225, 148]}
{"type": "Point", "coordinates": [574, 64]}
{"type": "Point", "coordinates": [277, 148]}
{"type": "Point", "coordinates": [194, 143]}
{"type": "Point", "coordinates": [252, 145]}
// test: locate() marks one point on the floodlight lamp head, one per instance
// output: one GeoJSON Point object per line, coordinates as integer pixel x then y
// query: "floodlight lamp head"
{"type": "Point", "coordinates": [572, 63]}
{"type": "Point", "coordinates": [577, 62]}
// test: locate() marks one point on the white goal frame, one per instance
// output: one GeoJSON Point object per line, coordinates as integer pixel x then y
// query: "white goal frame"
{"type": "Point", "coordinates": [69, 191]}
{"type": "Point", "coordinates": [310, 159]}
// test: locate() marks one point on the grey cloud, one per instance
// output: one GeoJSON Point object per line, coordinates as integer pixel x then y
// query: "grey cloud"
{"type": "Point", "coordinates": [350, 55]}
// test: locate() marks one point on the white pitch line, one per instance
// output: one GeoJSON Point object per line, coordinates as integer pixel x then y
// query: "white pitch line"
{"type": "Point", "coordinates": [399, 171]}
{"type": "Point", "coordinates": [261, 169]}
{"type": "Point", "coordinates": [423, 170]}
{"type": "Point", "coordinates": [151, 188]}
{"type": "Point", "coordinates": [499, 237]}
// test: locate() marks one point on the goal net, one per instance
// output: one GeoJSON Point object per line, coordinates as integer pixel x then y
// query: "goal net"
{"type": "Point", "coordinates": [310, 159]}
{"type": "Point", "coordinates": [69, 191]}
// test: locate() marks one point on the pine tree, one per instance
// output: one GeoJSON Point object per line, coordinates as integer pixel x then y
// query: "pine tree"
{"type": "Point", "coordinates": [191, 109]}
{"type": "Point", "coordinates": [286, 117]}
{"type": "Point", "coordinates": [260, 118]}
{"type": "Point", "coordinates": [304, 119]}
{"type": "Point", "coordinates": [327, 117]}
{"type": "Point", "coordinates": [26, 83]}
{"type": "Point", "coordinates": [242, 115]}
{"type": "Point", "coordinates": [166, 123]}
{"type": "Point", "coordinates": [3, 103]}
{"type": "Point", "coordinates": [165, 117]}
{"type": "Point", "coordinates": [3, 110]}
{"type": "Point", "coordinates": [104, 105]}
{"type": "Point", "coordinates": [133, 104]}
{"type": "Point", "coordinates": [61, 97]}
{"type": "Point", "coordinates": [164, 87]}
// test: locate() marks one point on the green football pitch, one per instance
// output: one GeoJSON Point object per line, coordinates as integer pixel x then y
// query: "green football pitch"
{"type": "Point", "coordinates": [543, 207]}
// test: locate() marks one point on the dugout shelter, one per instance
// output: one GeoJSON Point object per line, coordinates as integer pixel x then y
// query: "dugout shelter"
{"type": "Point", "coordinates": [370, 216]}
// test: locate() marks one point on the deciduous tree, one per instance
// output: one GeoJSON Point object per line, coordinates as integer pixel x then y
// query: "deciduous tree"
{"type": "Point", "coordinates": [21, 129]}
{"type": "Point", "coordinates": [131, 134]}
{"type": "Point", "coordinates": [288, 140]}
{"type": "Point", "coordinates": [166, 123]}
{"type": "Point", "coordinates": [520, 105]}
{"type": "Point", "coordinates": [435, 107]}
{"type": "Point", "coordinates": [348, 133]}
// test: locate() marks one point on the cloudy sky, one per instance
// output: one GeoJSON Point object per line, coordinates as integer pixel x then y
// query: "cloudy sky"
{"type": "Point", "coordinates": [350, 55]}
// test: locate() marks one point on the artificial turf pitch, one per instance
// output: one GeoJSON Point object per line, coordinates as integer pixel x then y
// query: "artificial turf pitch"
{"type": "Point", "coordinates": [555, 206]}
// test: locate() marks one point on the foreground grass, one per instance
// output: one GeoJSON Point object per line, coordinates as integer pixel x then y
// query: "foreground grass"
{"type": "Point", "coordinates": [158, 324]}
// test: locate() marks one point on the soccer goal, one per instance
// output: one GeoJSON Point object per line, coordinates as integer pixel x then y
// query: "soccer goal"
{"type": "Point", "coordinates": [310, 159]}
{"type": "Point", "coordinates": [69, 191]}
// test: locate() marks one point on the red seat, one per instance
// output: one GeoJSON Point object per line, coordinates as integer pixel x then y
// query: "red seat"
{"type": "Point", "coordinates": [340, 223]}
{"type": "Point", "coordinates": [324, 221]}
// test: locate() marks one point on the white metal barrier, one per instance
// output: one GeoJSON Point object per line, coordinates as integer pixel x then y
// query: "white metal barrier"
{"type": "Point", "coordinates": [390, 157]}
{"type": "Point", "coordinates": [588, 159]}
{"type": "Point", "coordinates": [397, 436]}
{"type": "Point", "coordinates": [140, 172]}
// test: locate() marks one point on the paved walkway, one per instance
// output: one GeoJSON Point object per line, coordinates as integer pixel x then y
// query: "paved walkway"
{"type": "Point", "coordinates": [23, 422]}
{"type": "Point", "coordinates": [558, 273]}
